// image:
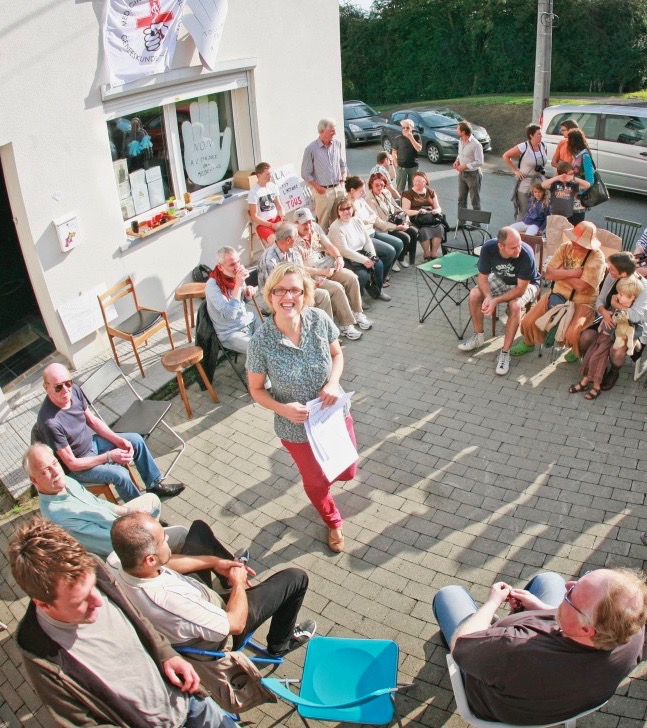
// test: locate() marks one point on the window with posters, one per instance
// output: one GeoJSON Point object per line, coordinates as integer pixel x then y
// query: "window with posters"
{"type": "Point", "coordinates": [190, 146]}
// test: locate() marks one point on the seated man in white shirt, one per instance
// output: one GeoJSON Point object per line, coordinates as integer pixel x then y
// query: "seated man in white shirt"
{"type": "Point", "coordinates": [189, 613]}
{"type": "Point", "coordinates": [264, 204]}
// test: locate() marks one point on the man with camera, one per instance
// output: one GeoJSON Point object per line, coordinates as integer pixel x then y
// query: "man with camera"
{"type": "Point", "coordinates": [468, 165]}
{"type": "Point", "coordinates": [406, 147]}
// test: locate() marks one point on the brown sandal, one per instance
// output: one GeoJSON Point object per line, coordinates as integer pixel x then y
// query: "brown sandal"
{"type": "Point", "coordinates": [579, 387]}
{"type": "Point", "coordinates": [592, 394]}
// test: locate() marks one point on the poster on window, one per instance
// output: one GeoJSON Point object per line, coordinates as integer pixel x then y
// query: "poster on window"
{"type": "Point", "coordinates": [140, 37]}
{"type": "Point", "coordinates": [207, 149]}
{"type": "Point", "coordinates": [291, 188]}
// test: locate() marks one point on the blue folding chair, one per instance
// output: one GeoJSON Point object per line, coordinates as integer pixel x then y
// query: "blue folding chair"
{"type": "Point", "coordinates": [262, 656]}
{"type": "Point", "coordinates": [347, 680]}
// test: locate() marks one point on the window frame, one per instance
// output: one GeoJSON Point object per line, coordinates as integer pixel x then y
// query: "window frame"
{"type": "Point", "coordinates": [165, 91]}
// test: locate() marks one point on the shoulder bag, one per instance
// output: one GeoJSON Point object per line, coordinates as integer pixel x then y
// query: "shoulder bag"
{"type": "Point", "coordinates": [597, 192]}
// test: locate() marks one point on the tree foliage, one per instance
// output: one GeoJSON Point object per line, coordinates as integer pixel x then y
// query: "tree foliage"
{"type": "Point", "coordinates": [408, 50]}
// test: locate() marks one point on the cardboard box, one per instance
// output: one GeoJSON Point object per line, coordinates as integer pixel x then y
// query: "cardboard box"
{"type": "Point", "coordinates": [244, 180]}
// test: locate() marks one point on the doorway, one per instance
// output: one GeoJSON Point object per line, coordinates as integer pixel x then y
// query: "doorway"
{"type": "Point", "coordinates": [23, 337]}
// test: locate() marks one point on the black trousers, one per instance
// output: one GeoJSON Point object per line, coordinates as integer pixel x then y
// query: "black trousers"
{"type": "Point", "coordinates": [278, 598]}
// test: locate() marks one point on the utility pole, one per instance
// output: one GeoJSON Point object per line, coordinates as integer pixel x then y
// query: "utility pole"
{"type": "Point", "coordinates": [545, 21]}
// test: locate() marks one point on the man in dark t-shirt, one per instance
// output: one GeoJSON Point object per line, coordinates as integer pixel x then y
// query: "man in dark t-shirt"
{"type": "Point", "coordinates": [507, 274]}
{"type": "Point", "coordinates": [87, 447]}
{"type": "Point", "coordinates": [564, 649]}
{"type": "Point", "coordinates": [406, 147]}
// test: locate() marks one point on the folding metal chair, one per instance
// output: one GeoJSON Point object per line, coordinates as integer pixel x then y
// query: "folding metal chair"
{"type": "Point", "coordinates": [473, 236]}
{"type": "Point", "coordinates": [626, 230]}
{"type": "Point", "coordinates": [143, 415]}
{"type": "Point", "coordinates": [466, 714]}
{"type": "Point", "coordinates": [345, 680]}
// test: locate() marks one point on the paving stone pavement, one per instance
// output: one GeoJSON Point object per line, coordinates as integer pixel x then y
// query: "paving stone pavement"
{"type": "Point", "coordinates": [465, 477]}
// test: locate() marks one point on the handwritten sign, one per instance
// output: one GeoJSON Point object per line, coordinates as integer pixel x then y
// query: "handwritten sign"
{"type": "Point", "coordinates": [292, 189]}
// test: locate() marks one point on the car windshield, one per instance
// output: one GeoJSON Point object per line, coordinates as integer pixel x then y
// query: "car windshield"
{"type": "Point", "coordinates": [448, 113]}
{"type": "Point", "coordinates": [358, 112]}
{"type": "Point", "coordinates": [436, 120]}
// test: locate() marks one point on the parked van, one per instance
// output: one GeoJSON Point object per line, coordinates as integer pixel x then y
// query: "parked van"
{"type": "Point", "coordinates": [617, 137]}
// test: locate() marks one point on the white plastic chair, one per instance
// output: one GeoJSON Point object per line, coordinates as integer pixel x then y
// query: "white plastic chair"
{"type": "Point", "coordinates": [467, 715]}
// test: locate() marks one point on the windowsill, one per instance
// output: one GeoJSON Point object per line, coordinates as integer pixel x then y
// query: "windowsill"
{"type": "Point", "coordinates": [199, 208]}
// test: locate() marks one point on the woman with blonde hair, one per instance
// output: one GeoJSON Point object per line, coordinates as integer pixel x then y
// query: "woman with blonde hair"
{"type": "Point", "coordinates": [298, 348]}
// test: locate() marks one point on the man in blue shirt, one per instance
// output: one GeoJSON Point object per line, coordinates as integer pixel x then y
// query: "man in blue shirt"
{"type": "Point", "coordinates": [507, 274]}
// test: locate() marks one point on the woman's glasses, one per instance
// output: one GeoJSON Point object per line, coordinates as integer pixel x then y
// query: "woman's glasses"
{"type": "Point", "coordinates": [294, 292]}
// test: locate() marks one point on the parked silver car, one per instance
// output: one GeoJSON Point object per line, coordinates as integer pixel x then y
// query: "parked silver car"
{"type": "Point", "coordinates": [617, 137]}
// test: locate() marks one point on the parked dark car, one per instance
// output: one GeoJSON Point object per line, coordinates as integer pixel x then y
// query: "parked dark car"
{"type": "Point", "coordinates": [437, 129]}
{"type": "Point", "coordinates": [361, 123]}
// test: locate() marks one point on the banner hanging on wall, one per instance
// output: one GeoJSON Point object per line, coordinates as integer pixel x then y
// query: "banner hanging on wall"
{"type": "Point", "coordinates": [140, 37]}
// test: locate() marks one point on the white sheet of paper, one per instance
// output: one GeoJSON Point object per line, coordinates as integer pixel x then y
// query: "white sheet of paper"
{"type": "Point", "coordinates": [139, 189]}
{"type": "Point", "coordinates": [328, 436]}
{"type": "Point", "coordinates": [155, 186]}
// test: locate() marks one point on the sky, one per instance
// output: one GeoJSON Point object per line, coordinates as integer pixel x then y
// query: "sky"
{"type": "Point", "coordinates": [364, 4]}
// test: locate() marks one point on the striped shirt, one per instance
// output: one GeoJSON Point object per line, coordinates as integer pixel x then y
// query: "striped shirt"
{"type": "Point", "coordinates": [323, 164]}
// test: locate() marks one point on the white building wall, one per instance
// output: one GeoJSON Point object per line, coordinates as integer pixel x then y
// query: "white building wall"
{"type": "Point", "coordinates": [56, 156]}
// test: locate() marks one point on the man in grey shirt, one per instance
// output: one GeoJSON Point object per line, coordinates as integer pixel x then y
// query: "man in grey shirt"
{"type": "Point", "coordinates": [468, 165]}
{"type": "Point", "coordinates": [324, 169]}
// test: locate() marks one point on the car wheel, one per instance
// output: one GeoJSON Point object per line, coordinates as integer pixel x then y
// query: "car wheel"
{"type": "Point", "coordinates": [386, 144]}
{"type": "Point", "coordinates": [434, 154]}
{"type": "Point", "coordinates": [349, 141]}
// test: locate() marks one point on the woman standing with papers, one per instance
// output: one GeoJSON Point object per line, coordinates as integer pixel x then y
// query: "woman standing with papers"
{"type": "Point", "coordinates": [298, 349]}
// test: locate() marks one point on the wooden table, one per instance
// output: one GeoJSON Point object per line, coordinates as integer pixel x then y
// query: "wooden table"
{"type": "Point", "coordinates": [186, 293]}
{"type": "Point", "coordinates": [182, 358]}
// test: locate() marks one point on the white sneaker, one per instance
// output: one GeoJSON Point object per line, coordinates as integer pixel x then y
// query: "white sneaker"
{"type": "Point", "coordinates": [475, 341]}
{"type": "Point", "coordinates": [503, 363]}
{"type": "Point", "coordinates": [362, 321]}
{"type": "Point", "coordinates": [404, 263]}
{"type": "Point", "coordinates": [395, 267]}
{"type": "Point", "coordinates": [350, 332]}
{"type": "Point", "coordinates": [384, 296]}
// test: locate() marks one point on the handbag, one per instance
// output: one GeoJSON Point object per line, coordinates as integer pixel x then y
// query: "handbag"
{"type": "Point", "coordinates": [426, 219]}
{"type": "Point", "coordinates": [596, 194]}
{"type": "Point", "coordinates": [398, 218]}
{"type": "Point", "coordinates": [200, 273]}
{"type": "Point", "coordinates": [234, 682]}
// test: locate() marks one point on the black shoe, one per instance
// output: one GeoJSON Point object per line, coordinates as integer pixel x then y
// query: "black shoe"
{"type": "Point", "coordinates": [170, 490]}
{"type": "Point", "coordinates": [163, 523]}
{"type": "Point", "coordinates": [300, 636]}
{"type": "Point", "coordinates": [609, 380]}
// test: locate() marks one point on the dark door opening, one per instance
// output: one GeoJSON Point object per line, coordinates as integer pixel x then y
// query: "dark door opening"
{"type": "Point", "coordinates": [23, 337]}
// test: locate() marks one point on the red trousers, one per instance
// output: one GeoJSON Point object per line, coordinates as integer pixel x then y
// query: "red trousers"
{"type": "Point", "coordinates": [315, 483]}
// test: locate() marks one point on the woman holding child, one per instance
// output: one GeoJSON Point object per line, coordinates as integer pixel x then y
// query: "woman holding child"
{"type": "Point", "coordinates": [621, 266]}
{"type": "Point", "coordinates": [576, 269]}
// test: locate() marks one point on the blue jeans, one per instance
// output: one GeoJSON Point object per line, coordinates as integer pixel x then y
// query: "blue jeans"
{"type": "Point", "coordinates": [118, 475]}
{"type": "Point", "coordinates": [207, 714]}
{"type": "Point", "coordinates": [239, 340]}
{"type": "Point", "coordinates": [452, 605]}
{"type": "Point", "coordinates": [388, 249]}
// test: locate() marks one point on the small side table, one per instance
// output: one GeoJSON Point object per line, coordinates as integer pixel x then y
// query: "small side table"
{"type": "Point", "coordinates": [186, 293]}
{"type": "Point", "coordinates": [180, 359]}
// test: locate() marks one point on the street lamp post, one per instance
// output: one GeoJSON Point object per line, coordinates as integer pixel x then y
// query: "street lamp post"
{"type": "Point", "coordinates": [545, 21]}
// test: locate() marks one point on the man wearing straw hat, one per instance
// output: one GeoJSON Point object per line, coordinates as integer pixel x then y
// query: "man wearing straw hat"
{"type": "Point", "coordinates": [576, 270]}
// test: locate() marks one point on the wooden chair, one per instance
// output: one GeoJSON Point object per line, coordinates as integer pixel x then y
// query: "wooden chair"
{"type": "Point", "coordinates": [137, 328]}
{"type": "Point", "coordinates": [611, 243]}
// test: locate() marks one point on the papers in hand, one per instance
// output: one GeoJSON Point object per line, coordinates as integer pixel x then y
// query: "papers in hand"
{"type": "Point", "coordinates": [328, 436]}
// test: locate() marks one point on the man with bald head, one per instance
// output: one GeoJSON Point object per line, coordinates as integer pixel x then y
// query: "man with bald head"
{"type": "Point", "coordinates": [564, 648]}
{"type": "Point", "coordinates": [87, 447]}
{"type": "Point", "coordinates": [507, 273]}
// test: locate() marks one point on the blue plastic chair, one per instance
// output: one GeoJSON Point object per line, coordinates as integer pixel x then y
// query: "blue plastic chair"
{"type": "Point", "coordinates": [347, 680]}
{"type": "Point", "coordinates": [262, 656]}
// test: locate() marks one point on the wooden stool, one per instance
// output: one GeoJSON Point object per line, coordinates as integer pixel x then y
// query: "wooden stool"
{"type": "Point", "coordinates": [186, 293]}
{"type": "Point", "coordinates": [180, 359]}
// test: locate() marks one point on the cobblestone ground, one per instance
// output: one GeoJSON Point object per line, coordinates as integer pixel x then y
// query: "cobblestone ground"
{"type": "Point", "coordinates": [465, 477]}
